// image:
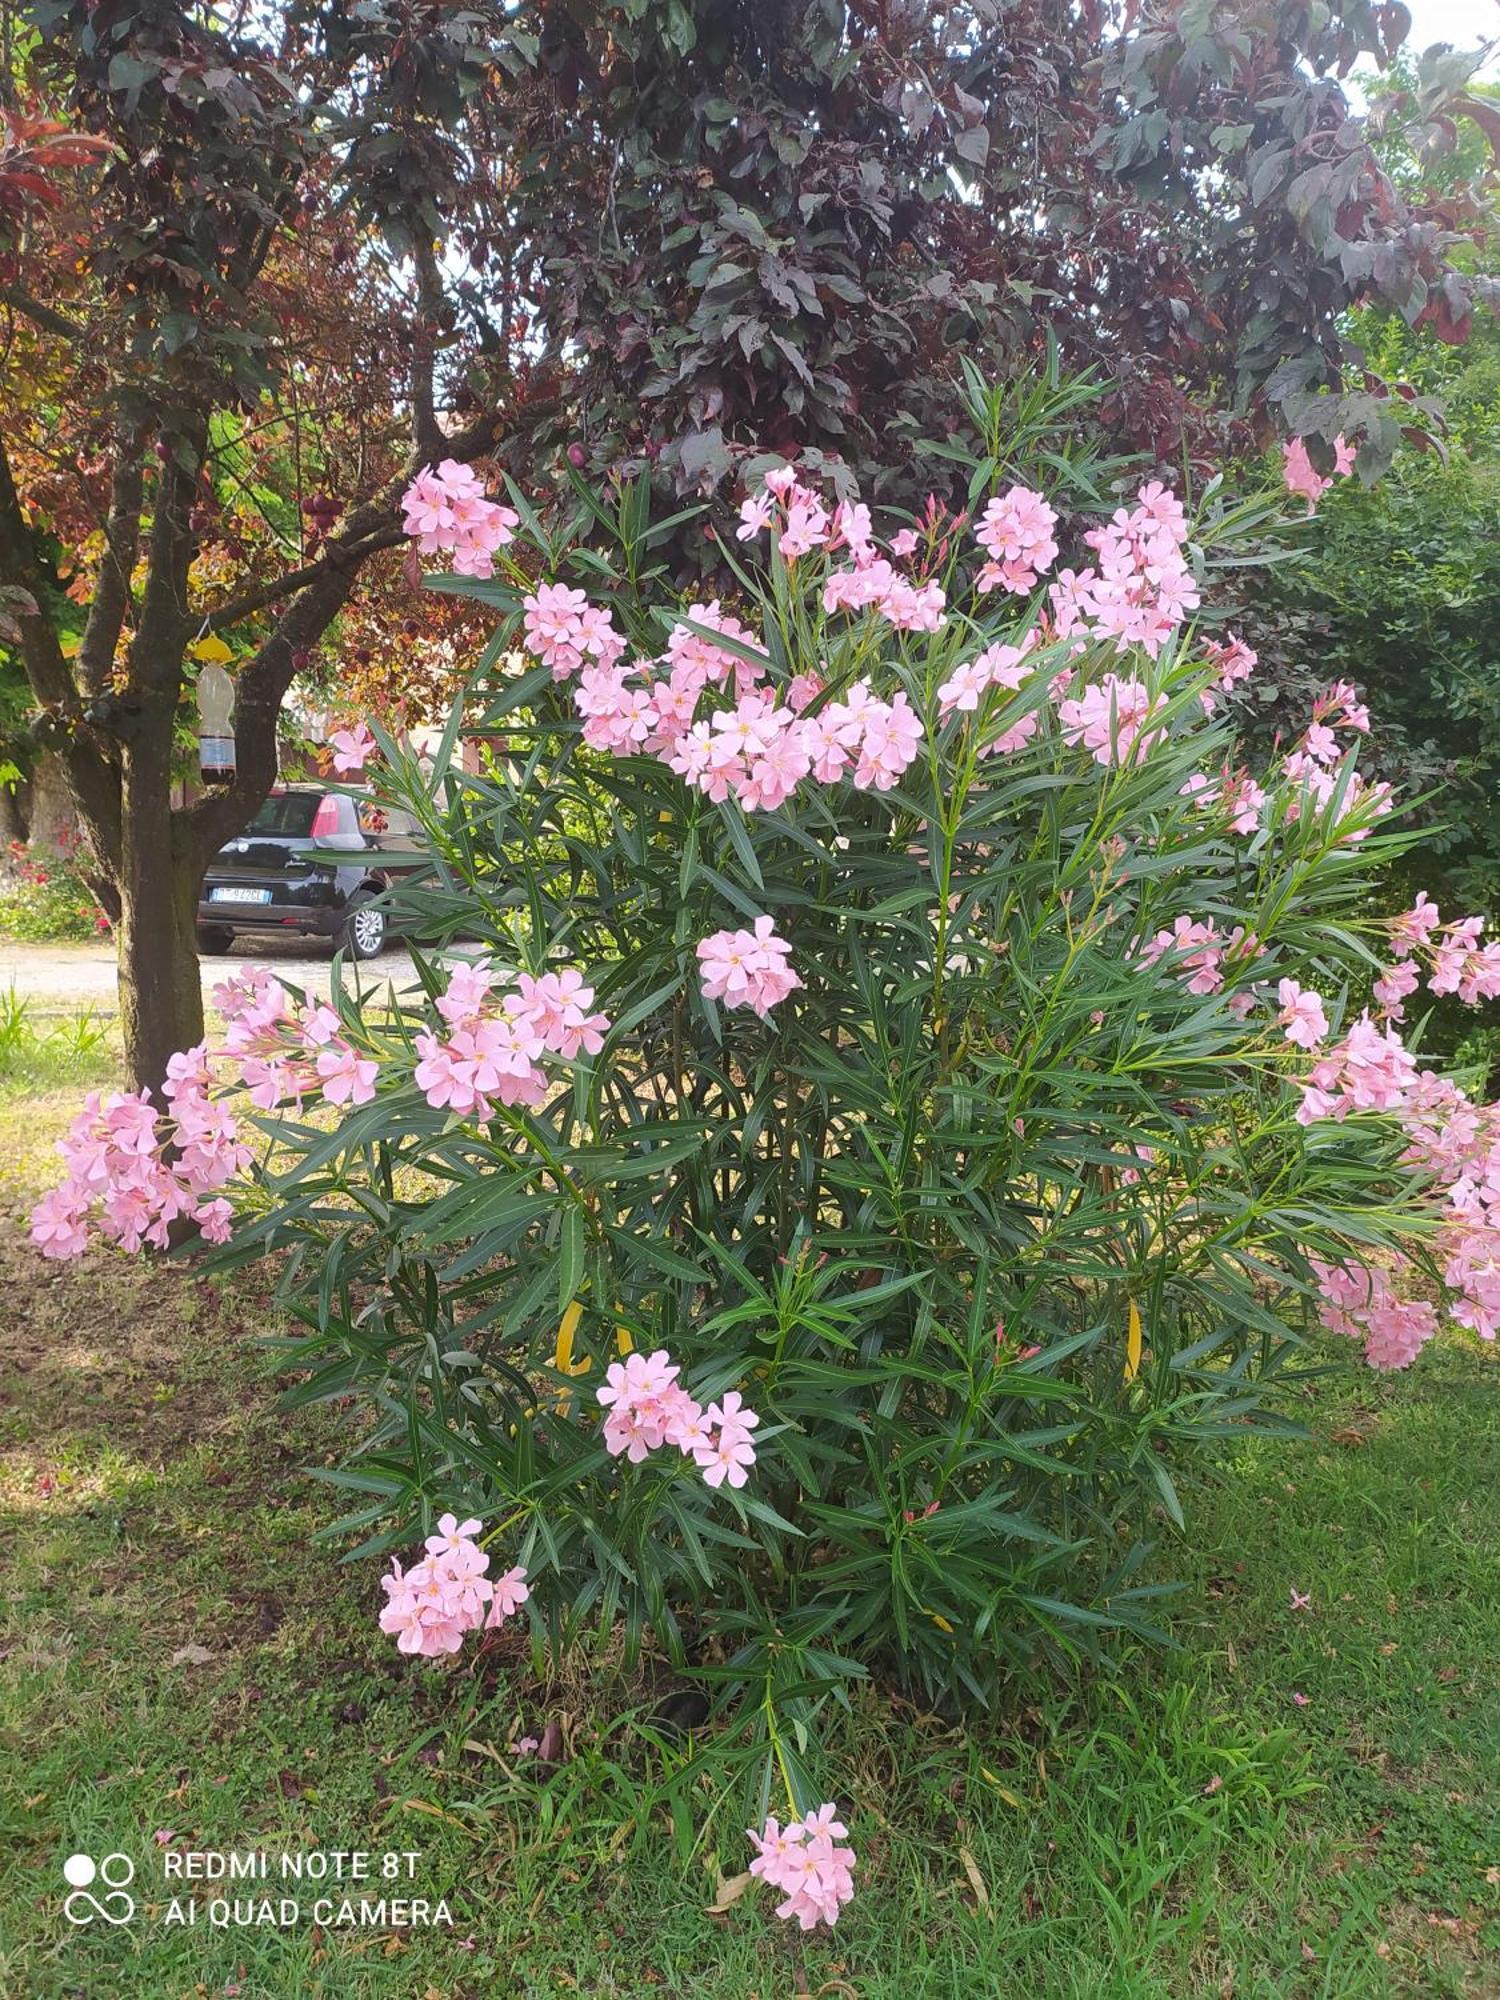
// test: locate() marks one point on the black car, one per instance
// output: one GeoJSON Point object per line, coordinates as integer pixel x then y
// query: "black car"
{"type": "Point", "coordinates": [294, 870]}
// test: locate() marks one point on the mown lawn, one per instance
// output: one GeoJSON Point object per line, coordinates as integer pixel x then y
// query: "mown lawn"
{"type": "Point", "coordinates": [183, 1666]}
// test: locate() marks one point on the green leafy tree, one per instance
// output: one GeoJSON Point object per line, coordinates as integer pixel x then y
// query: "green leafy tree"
{"type": "Point", "coordinates": [666, 232]}
{"type": "Point", "coordinates": [224, 228]}
{"type": "Point", "coordinates": [742, 224]}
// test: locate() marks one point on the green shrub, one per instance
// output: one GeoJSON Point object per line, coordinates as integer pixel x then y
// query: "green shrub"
{"type": "Point", "coordinates": [996, 1219]}
{"type": "Point", "coordinates": [45, 900]}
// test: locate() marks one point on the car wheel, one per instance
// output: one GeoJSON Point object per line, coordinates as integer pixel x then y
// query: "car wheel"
{"type": "Point", "coordinates": [215, 939]}
{"type": "Point", "coordinates": [362, 933]}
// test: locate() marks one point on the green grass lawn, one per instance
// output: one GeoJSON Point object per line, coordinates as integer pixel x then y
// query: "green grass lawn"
{"type": "Point", "coordinates": [184, 1666]}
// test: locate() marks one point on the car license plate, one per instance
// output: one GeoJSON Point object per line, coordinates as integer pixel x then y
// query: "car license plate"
{"type": "Point", "coordinates": [232, 894]}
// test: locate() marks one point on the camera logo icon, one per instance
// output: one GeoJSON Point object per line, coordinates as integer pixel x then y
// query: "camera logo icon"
{"type": "Point", "coordinates": [116, 1872]}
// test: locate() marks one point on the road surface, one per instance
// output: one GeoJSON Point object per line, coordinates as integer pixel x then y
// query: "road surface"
{"type": "Point", "coordinates": [84, 974]}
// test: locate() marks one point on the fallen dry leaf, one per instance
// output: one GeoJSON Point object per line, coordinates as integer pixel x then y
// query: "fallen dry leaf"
{"type": "Point", "coordinates": [976, 1880]}
{"type": "Point", "coordinates": [729, 1891]}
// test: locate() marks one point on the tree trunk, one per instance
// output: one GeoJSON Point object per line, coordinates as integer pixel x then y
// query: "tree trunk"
{"type": "Point", "coordinates": [52, 816]}
{"type": "Point", "coordinates": [161, 997]}
{"type": "Point", "coordinates": [12, 813]}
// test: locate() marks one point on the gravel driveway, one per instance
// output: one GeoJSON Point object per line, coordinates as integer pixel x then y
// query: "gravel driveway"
{"type": "Point", "coordinates": [85, 973]}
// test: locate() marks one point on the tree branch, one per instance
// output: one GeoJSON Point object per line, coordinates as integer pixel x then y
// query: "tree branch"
{"type": "Point", "coordinates": [40, 314]}
{"type": "Point", "coordinates": [164, 625]}
{"type": "Point", "coordinates": [261, 686]}
{"type": "Point", "coordinates": [122, 534]}
{"type": "Point", "coordinates": [426, 435]}
{"type": "Point", "coordinates": [41, 652]}
{"type": "Point", "coordinates": [341, 555]}
{"type": "Point", "coordinates": [95, 779]}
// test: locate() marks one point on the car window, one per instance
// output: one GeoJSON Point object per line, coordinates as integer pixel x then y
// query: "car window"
{"type": "Point", "coordinates": [285, 812]}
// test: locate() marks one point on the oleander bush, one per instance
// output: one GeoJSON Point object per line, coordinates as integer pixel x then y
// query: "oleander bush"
{"type": "Point", "coordinates": [897, 1088]}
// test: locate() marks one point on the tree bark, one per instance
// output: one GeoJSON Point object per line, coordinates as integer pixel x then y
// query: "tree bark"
{"type": "Point", "coordinates": [51, 817]}
{"type": "Point", "coordinates": [161, 995]}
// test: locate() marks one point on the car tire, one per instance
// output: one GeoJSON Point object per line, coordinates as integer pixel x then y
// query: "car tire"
{"type": "Point", "coordinates": [214, 940]}
{"type": "Point", "coordinates": [362, 933]}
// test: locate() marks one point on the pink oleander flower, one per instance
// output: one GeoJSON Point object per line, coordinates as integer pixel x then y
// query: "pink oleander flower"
{"type": "Point", "coordinates": [454, 1538]}
{"type": "Point", "coordinates": [725, 1458]}
{"type": "Point", "coordinates": [1341, 704]}
{"type": "Point", "coordinates": [1234, 659]}
{"type": "Point", "coordinates": [1301, 476]}
{"type": "Point", "coordinates": [806, 1862]}
{"type": "Point", "coordinates": [215, 1219]}
{"type": "Point", "coordinates": [648, 1408]}
{"type": "Point", "coordinates": [59, 1225]}
{"type": "Point", "coordinates": [1111, 720]}
{"type": "Point", "coordinates": [468, 989]}
{"type": "Point", "coordinates": [446, 509]}
{"type": "Point", "coordinates": [554, 627]}
{"type": "Point", "coordinates": [1462, 965]}
{"type": "Point", "coordinates": [446, 1594]}
{"type": "Point", "coordinates": [1414, 927]}
{"type": "Point", "coordinates": [807, 526]}
{"type": "Point", "coordinates": [747, 968]}
{"type": "Point", "coordinates": [347, 1077]}
{"type": "Point", "coordinates": [722, 1450]}
{"type": "Point", "coordinates": [891, 737]}
{"type": "Point", "coordinates": [802, 691]}
{"type": "Point", "coordinates": [1197, 949]}
{"type": "Point", "coordinates": [510, 1593]}
{"type": "Point", "coordinates": [756, 515]}
{"type": "Point", "coordinates": [1394, 986]}
{"type": "Point", "coordinates": [1015, 531]}
{"type": "Point", "coordinates": [352, 749]}
{"type": "Point", "coordinates": [1358, 1301]}
{"type": "Point", "coordinates": [853, 528]}
{"type": "Point", "coordinates": [1302, 1018]}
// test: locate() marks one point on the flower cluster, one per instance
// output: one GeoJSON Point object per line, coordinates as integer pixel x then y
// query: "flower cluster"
{"type": "Point", "coordinates": [446, 1593]}
{"type": "Point", "coordinates": [649, 1408]}
{"type": "Point", "coordinates": [1196, 950]}
{"type": "Point", "coordinates": [1315, 765]}
{"type": "Point", "coordinates": [1140, 589]}
{"type": "Point", "coordinates": [139, 1173]}
{"type": "Point", "coordinates": [1234, 660]}
{"type": "Point", "coordinates": [1360, 1302]}
{"type": "Point", "coordinates": [285, 1052]}
{"type": "Point", "coordinates": [998, 666]}
{"type": "Point", "coordinates": [1015, 532]}
{"type": "Point", "coordinates": [446, 510]}
{"type": "Point", "coordinates": [1233, 794]}
{"type": "Point", "coordinates": [566, 632]}
{"type": "Point", "coordinates": [1303, 1018]}
{"type": "Point", "coordinates": [747, 968]}
{"type": "Point", "coordinates": [492, 1051]}
{"type": "Point", "coordinates": [758, 750]}
{"type": "Point", "coordinates": [805, 1860]}
{"type": "Point", "coordinates": [1112, 720]}
{"type": "Point", "coordinates": [1453, 1142]}
{"type": "Point", "coordinates": [134, 1173]}
{"type": "Point", "coordinates": [1368, 1069]}
{"type": "Point", "coordinates": [801, 523]}
{"type": "Point", "coordinates": [1302, 477]}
